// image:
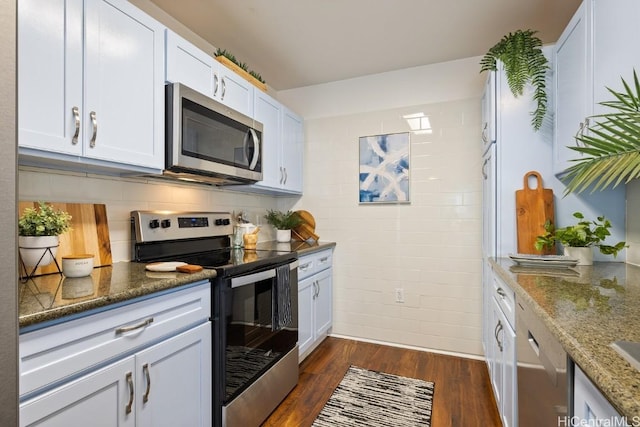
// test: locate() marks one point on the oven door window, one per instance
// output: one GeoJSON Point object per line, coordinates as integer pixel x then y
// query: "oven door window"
{"type": "Point", "coordinates": [254, 340]}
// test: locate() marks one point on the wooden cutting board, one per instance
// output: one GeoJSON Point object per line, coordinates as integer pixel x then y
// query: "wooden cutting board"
{"type": "Point", "coordinates": [306, 230]}
{"type": "Point", "coordinates": [89, 233]}
{"type": "Point", "coordinates": [534, 206]}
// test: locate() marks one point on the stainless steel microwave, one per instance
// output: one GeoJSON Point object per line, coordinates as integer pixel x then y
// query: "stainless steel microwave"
{"type": "Point", "coordinates": [207, 141]}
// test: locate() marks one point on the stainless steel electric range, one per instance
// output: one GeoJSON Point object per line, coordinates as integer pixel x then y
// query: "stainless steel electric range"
{"type": "Point", "coordinates": [254, 309]}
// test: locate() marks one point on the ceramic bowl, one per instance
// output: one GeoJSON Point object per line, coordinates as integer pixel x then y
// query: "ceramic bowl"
{"type": "Point", "coordinates": [77, 265]}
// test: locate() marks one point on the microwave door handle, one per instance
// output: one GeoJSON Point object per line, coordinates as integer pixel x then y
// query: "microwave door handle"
{"type": "Point", "coordinates": [256, 152]}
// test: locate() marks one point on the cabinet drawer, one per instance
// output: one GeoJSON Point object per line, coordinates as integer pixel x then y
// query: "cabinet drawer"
{"type": "Point", "coordinates": [60, 352]}
{"type": "Point", "coordinates": [324, 260]}
{"type": "Point", "coordinates": [506, 298]}
{"type": "Point", "coordinates": [315, 262]}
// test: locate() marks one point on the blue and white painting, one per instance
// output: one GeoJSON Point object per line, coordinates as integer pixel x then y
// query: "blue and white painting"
{"type": "Point", "coordinates": [384, 168]}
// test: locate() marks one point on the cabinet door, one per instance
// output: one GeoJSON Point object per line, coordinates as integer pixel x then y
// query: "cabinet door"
{"type": "Point", "coordinates": [615, 22]}
{"type": "Point", "coordinates": [292, 151]}
{"type": "Point", "coordinates": [189, 65]}
{"type": "Point", "coordinates": [268, 111]}
{"type": "Point", "coordinates": [50, 80]}
{"type": "Point", "coordinates": [323, 302]}
{"type": "Point", "coordinates": [101, 398]}
{"type": "Point", "coordinates": [509, 384]}
{"type": "Point", "coordinates": [235, 92]}
{"type": "Point", "coordinates": [124, 84]}
{"type": "Point", "coordinates": [571, 89]}
{"type": "Point", "coordinates": [489, 246]}
{"type": "Point", "coordinates": [489, 111]}
{"type": "Point", "coordinates": [306, 292]}
{"type": "Point", "coordinates": [495, 353]}
{"type": "Point", "coordinates": [590, 407]}
{"type": "Point", "coordinates": [174, 380]}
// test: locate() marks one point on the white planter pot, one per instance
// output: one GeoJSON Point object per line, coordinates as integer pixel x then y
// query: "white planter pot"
{"type": "Point", "coordinates": [34, 249]}
{"type": "Point", "coordinates": [283, 236]}
{"type": "Point", "coordinates": [583, 255]}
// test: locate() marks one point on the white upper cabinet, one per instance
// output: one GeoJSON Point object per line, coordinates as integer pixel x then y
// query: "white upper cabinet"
{"type": "Point", "coordinates": [191, 66]}
{"type": "Point", "coordinates": [90, 85]}
{"type": "Point", "coordinates": [292, 151]}
{"type": "Point", "coordinates": [282, 148]}
{"type": "Point", "coordinates": [591, 54]}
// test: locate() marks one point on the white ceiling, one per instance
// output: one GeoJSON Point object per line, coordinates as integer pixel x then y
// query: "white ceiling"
{"type": "Point", "coordinates": [295, 43]}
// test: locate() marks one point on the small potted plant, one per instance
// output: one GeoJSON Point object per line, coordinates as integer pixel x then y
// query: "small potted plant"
{"type": "Point", "coordinates": [283, 222]}
{"type": "Point", "coordinates": [38, 233]}
{"type": "Point", "coordinates": [579, 240]}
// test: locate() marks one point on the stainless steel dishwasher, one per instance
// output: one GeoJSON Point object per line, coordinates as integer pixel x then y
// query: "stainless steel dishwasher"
{"type": "Point", "coordinates": [543, 394]}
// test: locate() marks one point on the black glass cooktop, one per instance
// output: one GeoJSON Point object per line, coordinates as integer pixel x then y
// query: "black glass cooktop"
{"type": "Point", "coordinates": [234, 261]}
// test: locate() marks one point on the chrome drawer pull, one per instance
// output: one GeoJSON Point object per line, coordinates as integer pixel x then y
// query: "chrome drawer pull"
{"type": "Point", "coordinates": [131, 393]}
{"type": "Point", "coordinates": [94, 121]}
{"type": "Point", "coordinates": [145, 370]}
{"type": "Point", "coordinates": [76, 118]}
{"type": "Point", "coordinates": [215, 84]}
{"type": "Point", "coordinates": [501, 292]}
{"type": "Point", "coordinates": [125, 329]}
{"type": "Point", "coordinates": [324, 259]}
{"type": "Point", "coordinates": [224, 89]}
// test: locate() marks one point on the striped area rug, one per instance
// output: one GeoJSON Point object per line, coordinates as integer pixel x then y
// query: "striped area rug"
{"type": "Point", "coordinates": [369, 398]}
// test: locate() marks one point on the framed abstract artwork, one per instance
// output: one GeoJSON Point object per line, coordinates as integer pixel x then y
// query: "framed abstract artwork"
{"type": "Point", "coordinates": [384, 168]}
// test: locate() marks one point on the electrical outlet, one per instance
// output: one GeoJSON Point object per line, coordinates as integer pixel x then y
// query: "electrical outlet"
{"type": "Point", "coordinates": [399, 295]}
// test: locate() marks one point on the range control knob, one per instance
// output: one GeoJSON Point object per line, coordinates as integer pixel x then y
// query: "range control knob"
{"type": "Point", "coordinates": [226, 221]}
{"type": "Point", "coordinates": [154, 223]}
{"type": "Point", "coordinates": [165, 223]}
{"type": "Point", "coordinates": [218, 221]}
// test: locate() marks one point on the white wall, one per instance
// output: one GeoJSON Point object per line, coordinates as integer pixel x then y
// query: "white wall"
{"type": "Point", "coordinates": [430, 248]}
{"type": "Point", "coordinates": [121, 196]}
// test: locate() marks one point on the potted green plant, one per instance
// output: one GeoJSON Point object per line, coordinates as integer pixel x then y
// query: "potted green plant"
{"type": "Point", "coordinates": [611, 148]}
{"type": "Point", "coordinates": [524, 62]}
{"type": "Point", "coordinates": [283, 222]}
{"type": "Point", "coordinates": [39, 230]}
{"type": "Point", "coordinates": [579, 240]}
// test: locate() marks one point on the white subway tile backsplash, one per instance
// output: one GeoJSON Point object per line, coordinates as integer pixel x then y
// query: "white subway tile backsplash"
{"type": "Point", "coordinates": [431, 247]}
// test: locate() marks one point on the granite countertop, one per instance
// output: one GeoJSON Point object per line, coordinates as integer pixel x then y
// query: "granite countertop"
{"type": "Point", "coordinates": [587, 308]}
{"type": "Point", "coordinates": [47, 298]}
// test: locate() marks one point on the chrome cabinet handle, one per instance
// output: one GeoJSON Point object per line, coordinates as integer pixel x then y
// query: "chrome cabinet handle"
{"type": "Point", "coordinates": [285, 176]}
{"type": "Point", "coordinates": [501, 292]}
{"type": "Point", "coordinates": [484, 170]}
{"type": "Point", "coordinates": [484, 132]}
{"type": "Point", "coordinates": [131, 393]}
{"type": "Point", "coordinates": [324, 259]}
{"type": "Point", "coordinates": [305, 267]}
{"type": "Point", "coordinates": [497, 331]}
{"type": "Point", "coordinates": [94, 122]}
{"type": "Point", "coordinates": [76, 117]}
{"type": "Point", "coordinates": [215, 84]}
{"type": "Point", "coordinates": [224, 89]}
{"type": "Point", "coordinates": [124, 329]}
{"type": "Point", "coordinates": [145, 370]}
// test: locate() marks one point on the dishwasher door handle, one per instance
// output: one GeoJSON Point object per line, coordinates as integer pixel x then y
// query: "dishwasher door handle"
{"type": "Point", "coordinates": [544, 359]}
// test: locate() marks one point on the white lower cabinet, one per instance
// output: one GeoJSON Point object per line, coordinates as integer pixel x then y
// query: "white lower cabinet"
{"type": "Point", "coordinates": [590, 407]}
{"type": "Point", "coordinates": [501, 349]}
{"type": "Point", "coordinates": [155, 368]}
{"type": "Point", "coordinates": [315, 300]}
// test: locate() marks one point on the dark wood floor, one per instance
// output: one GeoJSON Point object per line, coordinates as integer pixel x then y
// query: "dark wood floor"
{"type": "Point", "coordinates": [462, 397]}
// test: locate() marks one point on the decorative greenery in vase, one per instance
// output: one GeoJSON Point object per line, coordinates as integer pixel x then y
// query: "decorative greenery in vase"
{"type": "Point", "coordinates": [43, 221]}
{"type": "Point", "coordinates": [611, 148]}
{"type": "Point", "coordinates": [283, 220]}
{"type": "Point", "coordinates": [524, 62]}
{"type": "Point", "coordinates": [583, 234]}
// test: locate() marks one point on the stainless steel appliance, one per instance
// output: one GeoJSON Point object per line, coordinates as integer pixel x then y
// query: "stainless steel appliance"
{"type": "Point", "coordinates": [254, 315]}
{"type": "Point", "coordinates": [209, 142]}
{"type": "Point", "coordinates": [543, 392]}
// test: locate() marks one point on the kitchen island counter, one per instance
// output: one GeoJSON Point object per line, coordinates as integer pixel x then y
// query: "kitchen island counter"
{"type": "Point", "coordinates": [49, 298]}
{"type": "Point", "coordinates": [587, 308]}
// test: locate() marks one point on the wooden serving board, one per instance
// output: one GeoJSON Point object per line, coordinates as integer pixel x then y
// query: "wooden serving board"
{"type": "Point", "coordinates": [89, 233]}
{"type": "Point", "coordinates": [533, 208]}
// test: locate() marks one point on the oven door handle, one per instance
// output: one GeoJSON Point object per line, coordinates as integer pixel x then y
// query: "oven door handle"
{"type": "Point", "coordinates": [252, 278]}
